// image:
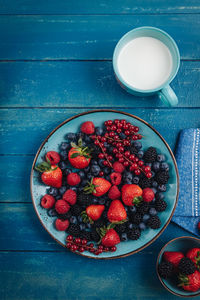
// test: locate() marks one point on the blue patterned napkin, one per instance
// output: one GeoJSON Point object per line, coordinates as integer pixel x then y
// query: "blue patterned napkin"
{"type": "Point", "coordinates": [187, 213]}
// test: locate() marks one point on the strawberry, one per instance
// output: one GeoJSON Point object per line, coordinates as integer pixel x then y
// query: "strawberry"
{"type": "Point", "coordinates": [92, 213]}
{"type": "Point", "coordinates": [131, 194]}
{"type": "Point", "coordinates": [198, 226]}
{"type": "Point", "coordinates": [173, 257]}
{"type": "Point", "coordinates": [70, 196]}
{"type": "Point", "coordinates": [98, 186]}
{"type": "Point", "coordinates": [73, 179]}
{"type": "Point", "coordinates": [47, 201]}
{"type": "Point", "coordinates": [190, 282]}
{"type": "Point", "coordinates": [62, 207]}
{"type": "Point", "coordinates": [148, 195]}
{"type": "Point", "coordinates": [111, 238]}
{"type": "Point", "coordinates": [61, 225]}
{"type": "Point", "coordinates": [118, 167]}
{"type": "Point", "coordinates": [79, 156]}
{"type": "Point", "coordinates": [115, 178]}
{"type": "Point", "coordinates": [114, 193]}
{"type": "Point", "coordinates": [88, 127]}
{"type": "Point", "coordinates": [194, 255]}
{"type": "Point", "coordinates": [116, 212]}
{"type": "Point", "coordinates": [51, 174]}
{"type": "Point", "coordinates": [53, 157]}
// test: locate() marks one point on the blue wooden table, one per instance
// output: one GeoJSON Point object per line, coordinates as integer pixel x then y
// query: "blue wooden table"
{"type": "Point", "coordinates": [55, 61]}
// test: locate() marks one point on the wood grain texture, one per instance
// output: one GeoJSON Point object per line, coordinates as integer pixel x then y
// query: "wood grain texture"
{"type": "Point", "coordinates": [99, 7]}
{"type": "Point", "coordinates": [87, 37]}
{"type": "Point", "coordinates": [80, 84]}
{"type": "Point", "coordinates": [23, 130]}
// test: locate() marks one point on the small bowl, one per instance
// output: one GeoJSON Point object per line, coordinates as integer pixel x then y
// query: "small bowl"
{"type": "Point", "coordinates": [182, 244]}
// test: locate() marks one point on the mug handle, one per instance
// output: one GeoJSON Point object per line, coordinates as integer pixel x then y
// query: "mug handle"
{"type": "Point", "coordinates": [167, 96]}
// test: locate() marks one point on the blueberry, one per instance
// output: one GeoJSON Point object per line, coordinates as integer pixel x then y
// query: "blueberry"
{"type": "Point", "coordinates": [84, 182]}
{"type": "Point", "coordinates": [164, 166]}
{"type": "Point", "coordinates": [73, 188]}
{"type": "Point", "coordinates": [67, 171]}
{"type": "Point", "coordinates": [81, 174]}
{"type": "Point", "coordinates": [154, 184]}
{"type": "Point", "coordinates": [100, 162]}
{"type": "Point", "coordinates": [106, 144]}
{"type": "Point", "coordinates": [53, 191]}
{"type": "Point", "coordinates": [63, 155]}
{"type": "Point", "coordinates": [156, 166]}
{"type": "Point", "coordinates": [64, 146]}
{"type": "Point", "coordinates": [126, 208]}
{"type": "Point", "coordinates": [136, 180]}
{"type": "Point", "coordinates": [160, 157]}
{"type": "Point", "coordinates": [62, 190]}
{"type": "Point", "coordinates": [98, 130]}
{"type": "Point", "coordinates": [122, 135]}
{"type": "Point", "coordinates": [80, 189]}
{"type": "Point", "coordinates": [62, 165]}
{"type": "Point", "coordinates": [132, 209]}
{"type": "Point", "coordinates": [154, 190]}
{"type": "Point", "coordinates": [152, 211]}
{"type": "Point", "coordinates": [57, 197]}
{"type": "Point", "coordinates": [94, 200]}
{"type": "Point", "coordinates": [110, 148]}
{"type": "Point", "coordinates": [70, 136]}
{"type": "Point", "coordinates": [82, 226]}
{"type": "Point", "coordinates": [88, 225]}
{"type": "Point", "coordinates": [80, 219]}
{"type": "Point", "coordinates": [140, 154]}
{"type": "Point", "coordinates": [142, 226]}
{"type": "Point", "coordinates": [87, 139]}
{"type": "Point", "coordinates": [73, 220]}
{"type": "Point", "coordinates": [130, 226]}
{"type": "Point", "coordinates": [80, 135]}
{"type": "Point", "coordinates": [153, 174]}
{"type": "Point", "coordinates": [124, 237]}
{"type": "Point", "coordinates": [89, 176]}
{"type": "Point", "coordinates": [87, 169]}
{"type": "Point", "coordinates": [102, 201]}
{"type": "Point", "coordinates": [107, 177]}
{"type": "Point", "coordinates": [127, 181]}
{"type": "Point", "coordinates": [162, 188]}
{"type": "Point", "coordinates": [145, 218]}
{"type": "Point", "coordinates": [128, 175]}
{"type": "Point", "coordinates": [52, 212]}
{"type": "Point", "coordinates": [137, 145]}
{"type": "Point", "coordinates": [93, 162]}
{"type": "Point", "coordinates": [106, 170]}
{"type": "Point", "coordinates": [95, 169]}
{"type": "Point", "coordinates": [159, 196]}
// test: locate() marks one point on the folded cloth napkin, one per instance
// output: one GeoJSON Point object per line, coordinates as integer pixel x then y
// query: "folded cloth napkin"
{"type": "Point", "coordinates": [187, 213]}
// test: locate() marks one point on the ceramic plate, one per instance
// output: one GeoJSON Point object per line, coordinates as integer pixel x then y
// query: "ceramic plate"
{"type": "Point", "coordinates": [152, 138]}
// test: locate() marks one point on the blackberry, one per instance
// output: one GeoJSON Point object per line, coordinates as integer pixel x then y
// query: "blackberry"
{"type": "Point", "coordinates": [165, 269]}
{"type": "Point", "coordinates": [150, 155]}
{"type": "Point", "coordinates": [144, 182]}
{"type": "Point", "coordinates": [154, 222]}
{"type": "Point", "coordinates": [84, 200]}
{"type": "Point", "coordinates": [65, 216]}
{"type": "Point", "coordinates": [94, 236]}
{"type": "Point", "coordinates": [134, 234]}
{"type": "Point", "coordinates": [162, 177]}
{"type": "Point", "coordinates": [76, 210]}
{"type": "Point", "coordinates": [99, 223]}
{"type": "Point", "coordinates": [186, 266]}
{"type": "Point", "coordinates": [120, 228]}
{"type": "Point", "coordinates": [160, 205]}
{"type": "Point", "coordinates": [104, 215]}
{"type": "Point", "coordinates": [95, 151]}
{"type": "Point", "coordinates": [143, 208]}
{"type": "Point", "coordinates": [133, 150]}
{"type": "Point", "coordinates": [85, 235]}
{"type": "Point", "coordinates": [136, 218]}
{"type": "Point", "coordinates": [74, 230]}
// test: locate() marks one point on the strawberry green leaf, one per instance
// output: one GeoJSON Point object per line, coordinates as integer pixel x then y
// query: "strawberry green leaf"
{"type": "Point", "coordinates": [73, 145]}
{"type": "Point", "coordinates": [74, 155]}
{"type": "Point", "coordinates": [80, 142]}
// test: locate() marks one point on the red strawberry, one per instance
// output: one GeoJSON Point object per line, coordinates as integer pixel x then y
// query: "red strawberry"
{"type": "Point", "coordinates": [148, 195]}
{"type": "Point", "coordinates": [88, 127]}
{"type": "Point", "coordinates": [173, 257]}
{"type": "Point", "coordinates": [116, 212]}
{"type": "Point", "coordinates": [118, 167]}
{"type": "Point", "coordinates": [114, 193]}
{"type": "Point", "coordinates": [73, 179]}
{"type": "Point", "coordinates": [194, 255]}
{"type": "Point", "coordinates": [190, 282]}
{"type": "Point", "coordinates": [47, 201]}
{"type": "Point", "coordinates": [92, 213]}
{"type": "Point", "coordinates": [111, 238]}
{"type": "Point", "coordinates": [198, 226]}
{"type": "Point", "coordinates": [98, 186]}
{"type": "Point", "coordinates": [115, 178]}
{"type": "Point", "coordinates": [62, 207]}
{"type": "Point", "coordinates": [61, 225]}
{"type": "Point", "coordinates": [51, 174]}
{"type": "Point", "coordinates": [79, 156]}
{"type": "Point", "coordinates": [131, 194]}
{"type": "Point", "coordinates": [70, 196]}
{"type": "Point", "coordinates": [53, 157]}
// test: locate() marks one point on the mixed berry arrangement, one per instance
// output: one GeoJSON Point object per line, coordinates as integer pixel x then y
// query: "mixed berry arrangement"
{"type": "Point", "coordinates": [182, 269]}
{"type": "Point", "coordinates": [104, 188]}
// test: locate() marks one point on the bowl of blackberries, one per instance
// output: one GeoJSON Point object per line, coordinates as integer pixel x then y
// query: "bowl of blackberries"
{"type": "Point", "coordinates": [104, 184]}
{"type": "Point", "coordinates": [178, 266]}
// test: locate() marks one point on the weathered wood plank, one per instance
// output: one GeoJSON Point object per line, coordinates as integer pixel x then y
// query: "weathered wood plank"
{"type": "Point", "coordinates": [21, 131]}
{"type": "Point", "coordinates": [99, 7]}
{"type": "Point", "coordinates": [80, 84]}
{"type": "Point", "coordinates": [87, 37]}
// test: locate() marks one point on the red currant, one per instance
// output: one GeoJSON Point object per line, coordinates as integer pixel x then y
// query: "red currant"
{"type": "Point", "coordinates": [132, 157]}
{"type": "Point", "coordinates": [69, 245]}
{"type": "Point", "coordinates": [69, 238]}
{"type": "Point", "coordinates": [101, 173]}
{"type": "Point", "coordinates": [109, 122]}
{"type": "Point", "coordinates": [113, 249]}
{"type": "Point", "coordinates": [84, 242]}
{"type": "Point", "coordinates": [121, 159]}
{"type": "Point", "coordinates": [116, 121]}
{"type": "Point", "coordinates": [101, 155]}
{"type": "Point", "coordinates": [127, 132]}
{"type": "Point", "coordinates": [104, 149]}
{"type": "Point", "coordinates": [149, 174]}
{"type": "Point", "coordinates": [134, 137]}
{"type": "Point", "coordinates": [105, 163]}
{"type": "Point", "coordinates": [106, 123]}
{"type": "Point", "coordinates": [134, 167]}
{"type": "Point", "coordinates": [106, 134]}
{"type": "Point", "coordinates": [118, 145]}
{"type": "Point", "coordinates": [92, 250]}
{"type": "Point", "coordinates": [106, 249]}
{"type": "Point", "coordinates": [103, 139]}
{"type": "Point", "coordinates": [81, 249]}
{"type": "Point", "coordinates": [115, 150]}
{"type": "Point", "coordinates": [136, 159]}
{"type": "Point", "coordinates": [108, 128]}
{"type": "Point", "coordinates": [110, 157]}
{"type": "Point", "coordinates": [77, 240]}
{"type": "Point", "coordinates": [125, 127]}
{"type": "Point", "coordinates": [121, 149]}
{"type": "Point", "coordinates": [139, 136]}
{"type": "Point", "coordinates": [126, 164]}
{"type": "Point", "coordinates": [116, 137]}
{"type": "Point", "coordinates": [147, 169]}
{"type": "Point", "coordinates": [127, 153]}
{"type": "Point", "coordinates": [140, 163]}
{"type": "Point", "coordinates": [137, 172]}
{"type": "Point", "coordinates": [118, 130]}
{"type": "Point", "coordinates": [113, 127]}
{"type": "Point", "coordinates": [100, 247]}
{"type": "Point", "coordinates": [119, 125]}
{"type": "Point", "coordinates": [112, 134]}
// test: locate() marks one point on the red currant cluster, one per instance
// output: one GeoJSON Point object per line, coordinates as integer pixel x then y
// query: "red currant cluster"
{"type": "Point", "coordinates": [111, 136]}
{"type": "Point", "coordinates": [81, 245]}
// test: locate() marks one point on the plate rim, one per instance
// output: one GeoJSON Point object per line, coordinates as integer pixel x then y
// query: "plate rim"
{"type": "Point", "coordinates": [134, 117]}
